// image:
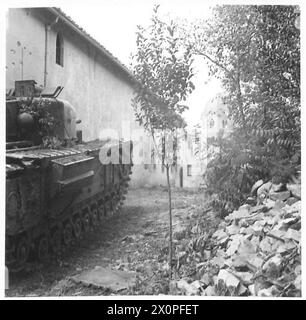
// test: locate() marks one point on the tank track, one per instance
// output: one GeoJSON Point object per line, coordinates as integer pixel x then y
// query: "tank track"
{"type": "Point", "coordinates": [78, 220]}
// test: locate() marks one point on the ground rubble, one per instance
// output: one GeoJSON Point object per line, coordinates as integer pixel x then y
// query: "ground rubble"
{"type": "Point", "coordinates": [255, 251]}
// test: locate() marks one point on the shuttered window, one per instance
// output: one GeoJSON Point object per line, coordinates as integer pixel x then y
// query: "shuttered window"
{"type": "Point", "coordinates": [59, 50]}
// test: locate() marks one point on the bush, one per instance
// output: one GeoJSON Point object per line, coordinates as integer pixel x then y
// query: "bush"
{"type": "Point", "coordinates": [236, 162]}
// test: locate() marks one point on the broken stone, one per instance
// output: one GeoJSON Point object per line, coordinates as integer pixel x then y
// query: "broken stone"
{"type": "Point", "coordinates": [256, 185]}
{"type": "Point", "coordinates": [189, 289]}
{"type": "Point", "coordinates": [274, 213]}
{"type": "Point", "coordinates": [275, 261]}
{"type": "Point", "coordinates": [279, 204]}
{"type": "Point", "coordinates": [249, 230]}
{"type": "Point", "coordinates": [251, 288]}
{"type": "Point", "coordinates": [282, 196]}
{"type": "Point", "coordinates": [293, 234]}
{"type": "Point", "coordinates": [215, 280]}
{"type": "Point", "coordinates": [206, 280]}
{"type": "Point", "coordinates": [223, 242]}
{"type": "Point", "coordinates": [286, 247]}
{"type": "Point", "coordinates": [290, 201]}
{"type": "Point", "coordinates": [243, 223]}
{"type": "Point", "coordinates": [290, 221]}
{"type": "Point", "coordinates": [258, 217]}
{"type": "Point", "coordinates": [298, 270]}
{"type": "Point", "coordinates": [238, 262]}
{"type": "Point", "coordinates": [298, 282]}
{"type": "Point", "coordinates": [294, 208]}
{"type": "Point", "coordinates": [255, 241]}
{"type": "Point", "coordinates": [236, 215]}
{"type": "Point", "coordinates": [222, 225]}
{"type": "Point", "coordinates": [295, 189]}
{"type": "Point", "coordinates": [266, 244]}
{"type": "Point", "coordinates": [269, 292]}
{"type": "Point", "coordinates": [264, 189]}
{"type": "Point", "coordinates": [265, 293]}
{"type": "Point", "coordinates": [257, 227]}
{"type": "Point", "coordinates": [277, 233]}
{"type": "Point", "coordinates": [243, 230]}
{"type": "Point", "coordinates": [251, 201]}
{"type": "Point", "coordinates": [281, 226]}
{"type": "Point", "coordinates": [210, 291]}
{"type": "Point", "coordinates": [269, 204]}
{"type": "Point", "coordinates": [277, 187]}
{"type": "Point", "coordinates": [242, 290]}
{"type": "Point", "coordinates": [271, 220]}
{"type": "Point", "coordinates": [219, 261]}
{"type": "Point", "coordinates": [233, 245]}
{"type": "Point", "coordinates": [232, 229]}
{"type": "Point", "coordinates": [229, 279]}
{"type": "Point", "coordinates": [245, 208]}
{"type": "Point", "coordinates": [114, 280]}
{"type": "Point", "coordinates": [245, 277]}
{"type": "Point", "coordinates": [246, 247]}
{"type": "Point", "coordinates": [258, 208]}
{"type": "Point", "coordinates": [220, 234]}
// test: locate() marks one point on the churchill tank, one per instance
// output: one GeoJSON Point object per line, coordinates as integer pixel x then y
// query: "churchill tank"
{"type": "Point", "coordinates": [58, 187]}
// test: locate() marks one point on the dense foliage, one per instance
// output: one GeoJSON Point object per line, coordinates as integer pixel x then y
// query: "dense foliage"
{"type": "Point", "coordinates": [255, 52]}
{"type": "Point", "coordinates": [44, 122]}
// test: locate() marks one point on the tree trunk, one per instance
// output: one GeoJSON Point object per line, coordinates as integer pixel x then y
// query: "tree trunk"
{"type": "Point", "coordinates": [170, 220]}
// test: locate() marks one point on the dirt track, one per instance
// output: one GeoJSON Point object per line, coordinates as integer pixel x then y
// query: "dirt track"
{"type": "Point", "coordinates": [135, 240]}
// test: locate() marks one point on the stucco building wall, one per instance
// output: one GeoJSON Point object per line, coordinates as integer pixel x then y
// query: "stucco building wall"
{"type": "Point", "coordinates": [99, 93]}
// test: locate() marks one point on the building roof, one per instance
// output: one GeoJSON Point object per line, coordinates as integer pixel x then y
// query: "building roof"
{"type": "Point", "coordinates": [68, 20]}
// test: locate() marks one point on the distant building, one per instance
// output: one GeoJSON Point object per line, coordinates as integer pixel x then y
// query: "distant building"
{"type": "Point", "coordinates": [215, 117]}
{"type": "Point", "coordinates": [214, 121]}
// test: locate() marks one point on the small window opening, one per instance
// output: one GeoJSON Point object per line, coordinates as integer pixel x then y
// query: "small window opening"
{"type": "Point", "coordinates": [59, 50]}
{"type": "Point", "coordinates": [189, 170]}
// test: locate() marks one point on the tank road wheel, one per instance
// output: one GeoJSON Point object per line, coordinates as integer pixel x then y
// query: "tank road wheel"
{"type": "Point", "coordinates": [67, 234]}
{"type": "Point", "coordinates": [108, 209]}
{"type": "Point", "coordinates": [86, 222]}
{"type": "Point", "coordinates": [101, 213]}
{"type": "Point", "coordinates": [77, 228]}
{"type": "Point", "coordinates": [94, 217]}
{"type": "Point", "coordinates": [22, 251]}
{"type": "Point", "coordinates": [42, 249]}
{"type": "Point", "coordinates": [115, 206]}
{"type": "Point", "coordinates": [56, 241]}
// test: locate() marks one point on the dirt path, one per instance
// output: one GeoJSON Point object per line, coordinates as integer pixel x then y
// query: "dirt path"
{"type": "Point", "coordinates": [135, 240]}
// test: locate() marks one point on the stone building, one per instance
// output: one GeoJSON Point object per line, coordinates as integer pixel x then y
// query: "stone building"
{"type": "Point", "coordinates": [214, 121]}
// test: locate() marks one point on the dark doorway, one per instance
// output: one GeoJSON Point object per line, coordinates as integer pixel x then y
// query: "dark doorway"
{"type": "Point", "coordinates": [181, 177]}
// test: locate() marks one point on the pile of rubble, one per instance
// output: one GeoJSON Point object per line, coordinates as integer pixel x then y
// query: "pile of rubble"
{"type": "Point", "coordinates": [256, 250]}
